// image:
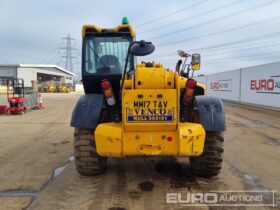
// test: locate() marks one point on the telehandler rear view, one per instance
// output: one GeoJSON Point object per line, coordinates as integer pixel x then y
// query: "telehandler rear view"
{"type": "Point", "coordinates": [142, 109]}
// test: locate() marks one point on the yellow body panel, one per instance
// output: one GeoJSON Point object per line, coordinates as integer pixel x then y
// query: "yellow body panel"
{"type": "Point", "coordinates": [109, 144]}
{"type": "Point", "coordinates": [187, 140]}
{"type": "Point", "coordinates": [150, 118]}
{"type": "Point", "coordinates": [153, 78]}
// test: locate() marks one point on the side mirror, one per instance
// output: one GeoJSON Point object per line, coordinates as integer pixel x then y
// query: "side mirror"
{"type": "Point", "coordinates": [182, 54]}
{"type": "Point", "coordinates": [142, 48]}
{"type": "Point", "coordinates": [195, 61]}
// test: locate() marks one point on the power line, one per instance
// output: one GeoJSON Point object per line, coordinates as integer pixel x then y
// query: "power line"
{"type": "Point", "coordinates": [215, 20]}
{"type": "Point", "coordinates": [45, 59]}
{"type": "Point", "coordinates": [276, 34]}
{"type": "Point", "coordinates": [243, 49]}
{"type": "Point", "coordinates": [244, 57]}
{"type": "Point", "coordinates": [225, 60]}
{"type": "Point", "coordinates": [52, 58]}
{"type": "Point", "coordinates": [170, 14]}
{"type": "Point", "coordinates": [251, 55]}
{"type": "Point", "coordinates": [223, 51]}
{"type": "Point", "coordinates": [220, 32]}
{"type": "Point", "coordinates": [213, 47]}
{"type": "Point", "coordinates": [194, 16]}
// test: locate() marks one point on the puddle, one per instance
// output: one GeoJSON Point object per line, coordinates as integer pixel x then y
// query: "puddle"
{"type": "Point", "coordinates": [71, 158]}
{"type": "Point", "coordinates": [272, 141]}
{"type": "Point", "coordinates": [57, 171]}
{"type": "Point", "coordinates": [34, 193]}
{"type": "Point", "coordinates": [251, 182]}
{"type": "Point", "coordinates": [146, 186]}
{"type": "Point", "coordinates": [18, 193]}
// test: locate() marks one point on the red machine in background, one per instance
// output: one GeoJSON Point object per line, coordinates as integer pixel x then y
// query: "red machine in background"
{"type": "Point", "coordinates": [15, 94]}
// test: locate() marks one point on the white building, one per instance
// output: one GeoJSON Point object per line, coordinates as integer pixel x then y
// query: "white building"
{"type": "Point", "coordinates": [35, 72]}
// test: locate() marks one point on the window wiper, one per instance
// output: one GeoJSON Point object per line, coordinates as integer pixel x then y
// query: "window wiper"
{"type": "Point", "coordinates": [107, 67]}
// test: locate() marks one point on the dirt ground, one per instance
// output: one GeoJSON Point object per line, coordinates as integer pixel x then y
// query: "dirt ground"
{"type": "Point", "coordinates": [37, 170]}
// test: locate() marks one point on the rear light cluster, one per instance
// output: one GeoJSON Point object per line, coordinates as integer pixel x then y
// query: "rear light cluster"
{"type": "Point", "coordinates": [189, 92]}
{"type": "Point", "coordinates": [108, 92]}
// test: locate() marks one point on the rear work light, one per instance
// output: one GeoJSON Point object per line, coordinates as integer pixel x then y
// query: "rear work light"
{"type": "Point", "coordinates": [108, 92]}
{"type": "Point", "coordinates": [111, 101]}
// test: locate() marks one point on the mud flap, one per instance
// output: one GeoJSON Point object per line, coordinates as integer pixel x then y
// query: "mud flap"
{"type": "Point", "coordinates": [211, 113]}
{"type": "Point", "coordinates": [87, 111]}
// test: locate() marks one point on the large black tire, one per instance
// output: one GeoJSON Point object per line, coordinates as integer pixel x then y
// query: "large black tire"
{"type": "Point", "coordinates": [209, 164]}
{"type": "Point", "coordinates": [87, 161]}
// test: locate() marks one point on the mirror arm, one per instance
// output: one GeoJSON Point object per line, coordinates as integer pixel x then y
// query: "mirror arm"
{"type": "Point", "coordinates": [183, 66]}
{"type": "Point", "coordinates": [178, 65]}
{"type": "Point", "coordinates": [192, 73]}
{"type": "Point", "coordinates": [188, 71]}
{"type": "Point", "coordinates": [126, 63]}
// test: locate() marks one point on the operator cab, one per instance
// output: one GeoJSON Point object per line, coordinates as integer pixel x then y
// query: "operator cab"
{"type": "Point", "coordinates": [103, 56]}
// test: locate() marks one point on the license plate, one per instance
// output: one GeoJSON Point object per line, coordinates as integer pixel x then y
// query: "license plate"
{"type": "Point", "coordinates": [150, 111]}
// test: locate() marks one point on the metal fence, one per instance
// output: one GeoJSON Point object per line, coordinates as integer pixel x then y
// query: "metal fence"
{"type": "Point", "coordinates": [30, 98]}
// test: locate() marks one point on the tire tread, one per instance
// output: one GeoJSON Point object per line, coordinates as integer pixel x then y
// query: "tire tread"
{"type": "Point", "coordinates": [209, 164]}
{"type": "Point", "coordinates": [87, 161]}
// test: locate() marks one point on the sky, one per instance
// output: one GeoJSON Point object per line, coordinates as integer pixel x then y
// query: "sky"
{"type": "Point", "coordinates": [228, 34]}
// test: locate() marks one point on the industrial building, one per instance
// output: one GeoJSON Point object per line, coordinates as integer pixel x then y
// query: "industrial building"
{"type": "Point", "coordinates": [35, 72]}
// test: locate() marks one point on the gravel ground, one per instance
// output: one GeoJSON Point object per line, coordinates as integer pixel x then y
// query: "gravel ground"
{"type": "Point", "coordinates": [37, 169]}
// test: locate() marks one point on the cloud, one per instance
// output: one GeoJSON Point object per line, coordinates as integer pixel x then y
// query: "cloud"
{"type": "Point", "coordinates": [31, 30]}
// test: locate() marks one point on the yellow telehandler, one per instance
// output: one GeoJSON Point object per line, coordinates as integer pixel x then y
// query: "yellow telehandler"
{"type": "Point", "coordinates": [142, 109]}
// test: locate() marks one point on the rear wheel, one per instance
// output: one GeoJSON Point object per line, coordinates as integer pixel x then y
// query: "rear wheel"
{"type": "Point", "coordinates": [210, 162]}
{"type": "Point", "coordinates": [87, 161]}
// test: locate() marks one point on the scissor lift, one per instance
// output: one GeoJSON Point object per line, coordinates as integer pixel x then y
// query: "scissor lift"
{"type": "Point", "coordinates": [15, 95]}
